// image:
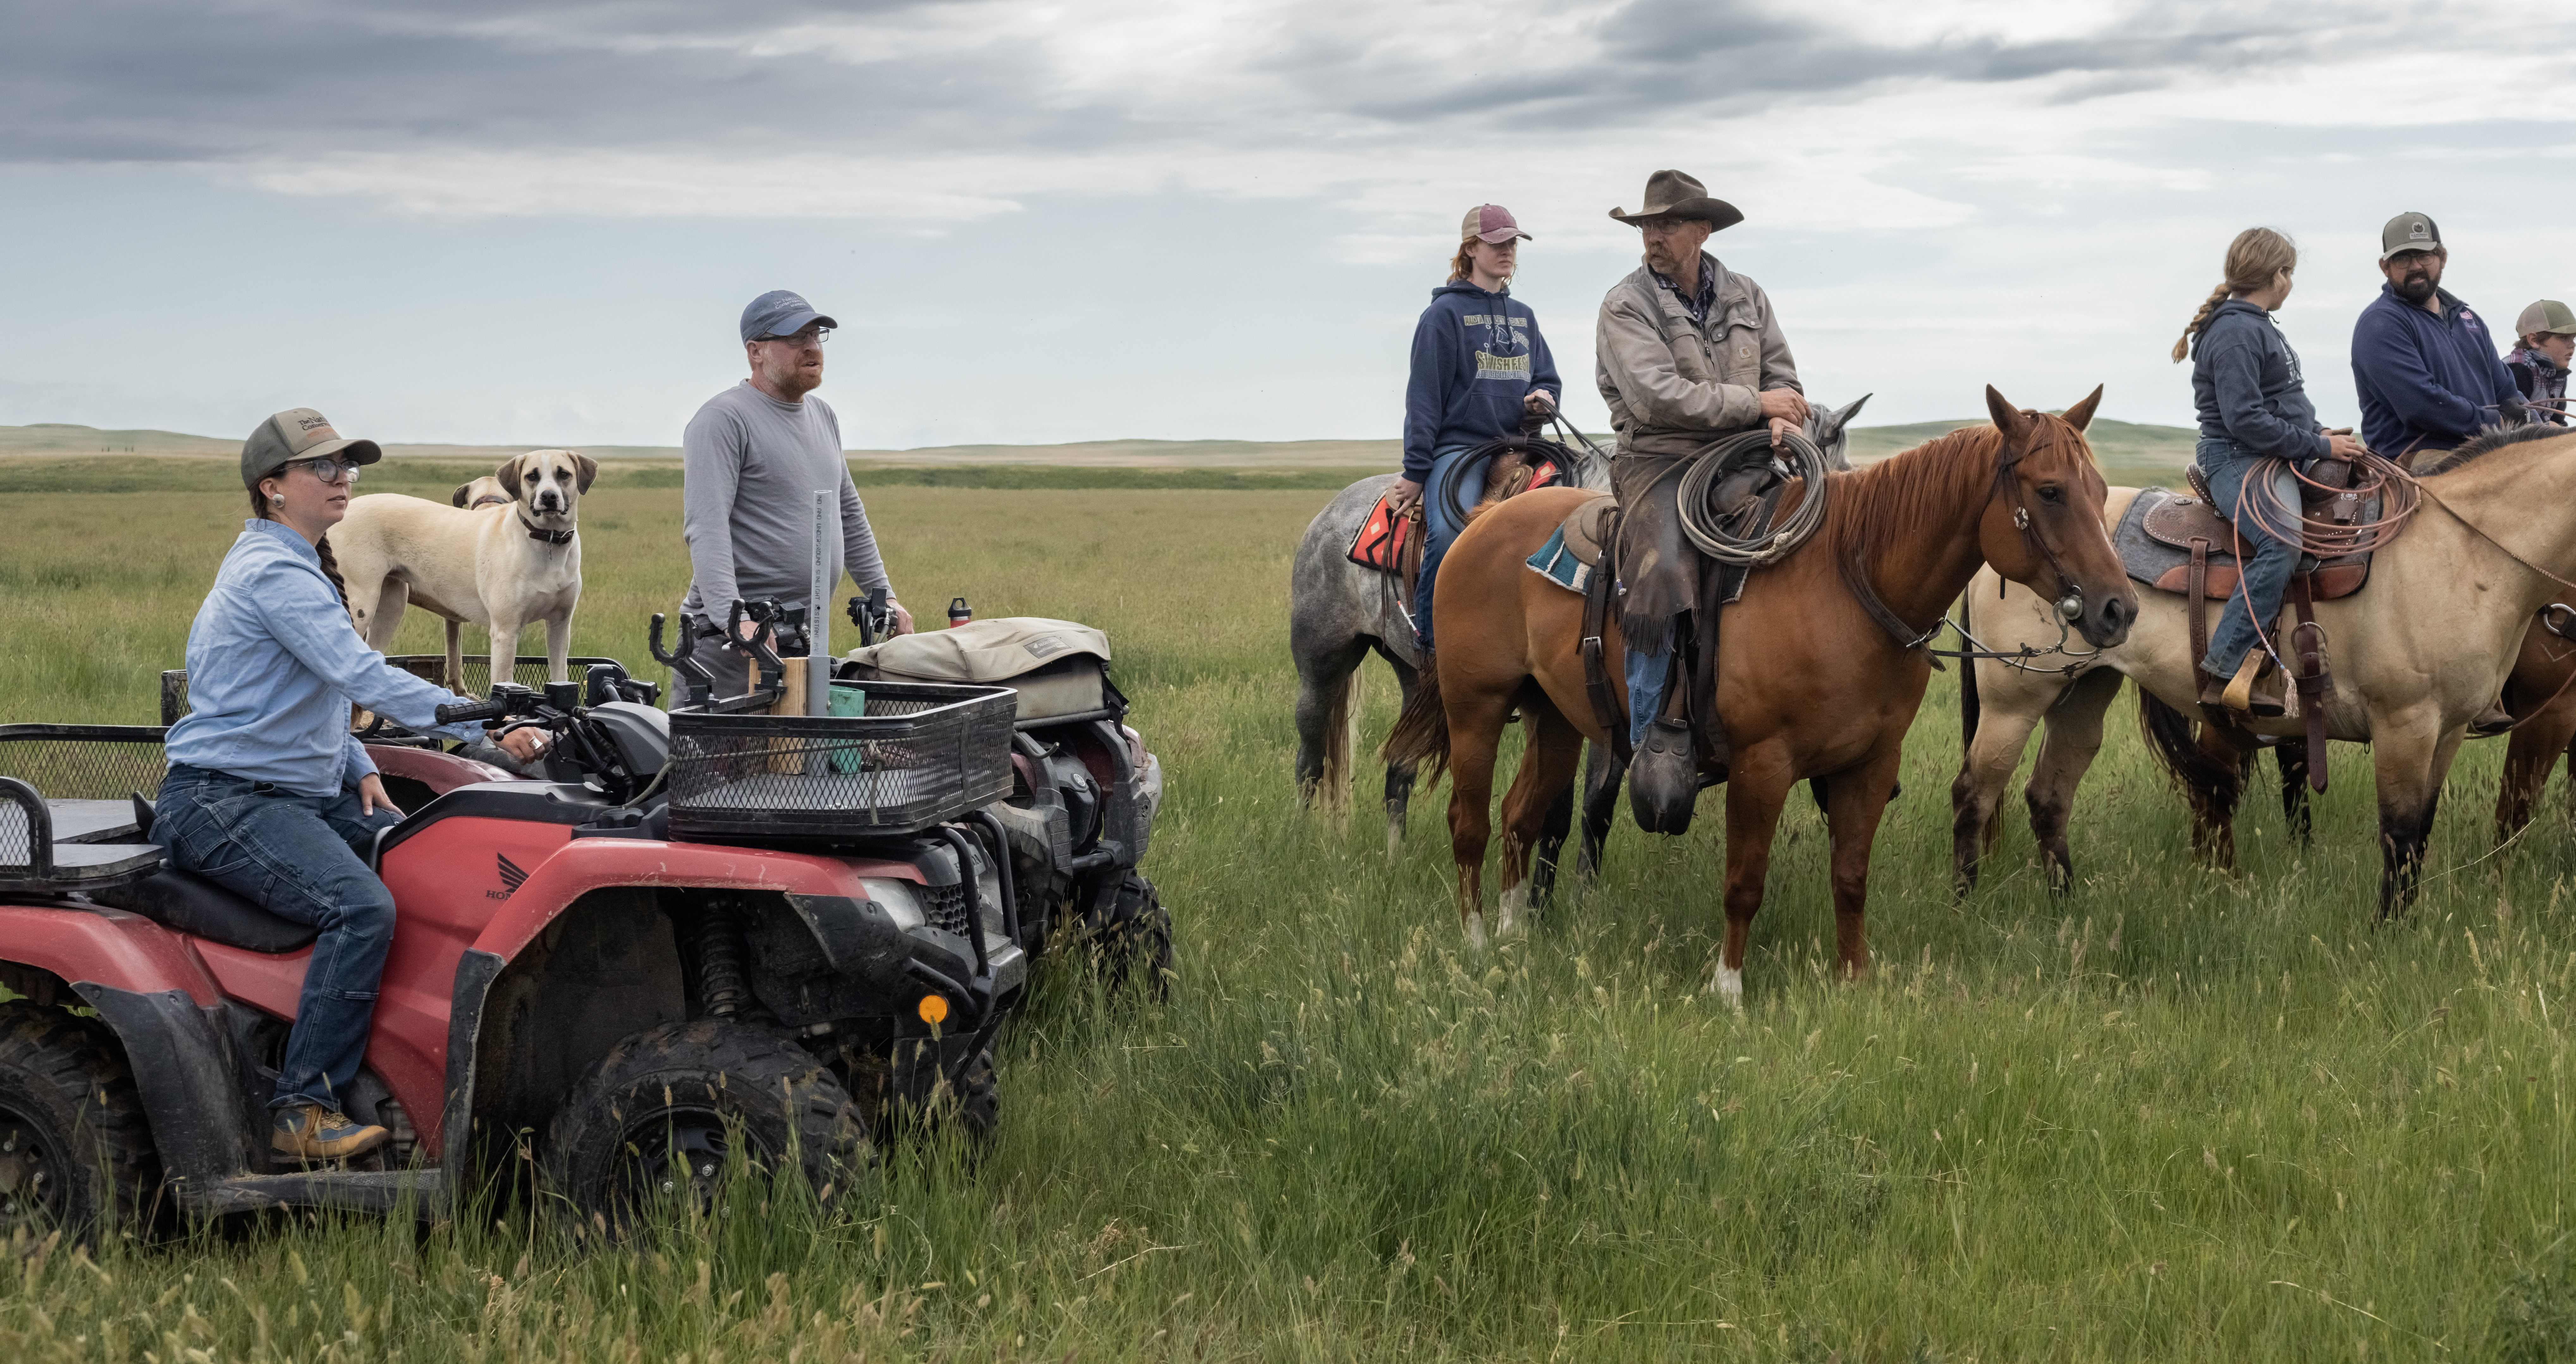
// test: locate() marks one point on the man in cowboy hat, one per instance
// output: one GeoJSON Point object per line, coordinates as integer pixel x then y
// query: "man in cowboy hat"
{"type": "Point", "coordinates": [1688, 352]}
{"type": "Point", "coordinates": [2424, 363]}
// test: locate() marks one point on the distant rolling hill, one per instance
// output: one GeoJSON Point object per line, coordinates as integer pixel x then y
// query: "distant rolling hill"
{"type": "Point", "coordinates": [2130, 452]}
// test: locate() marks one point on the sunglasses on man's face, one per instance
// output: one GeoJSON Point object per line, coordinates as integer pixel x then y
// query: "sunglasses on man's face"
{"type": "Point", "coordinates": [811, 336]}
{"type": "Point", "coordinates": [328, 470]}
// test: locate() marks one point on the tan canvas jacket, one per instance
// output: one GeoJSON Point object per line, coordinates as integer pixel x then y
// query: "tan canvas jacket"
{"type": "Point", "coordinates": [1674, 386]}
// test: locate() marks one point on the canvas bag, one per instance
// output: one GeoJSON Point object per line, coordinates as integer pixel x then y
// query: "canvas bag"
{"type": "Point", "coordinates": [1056, 666]}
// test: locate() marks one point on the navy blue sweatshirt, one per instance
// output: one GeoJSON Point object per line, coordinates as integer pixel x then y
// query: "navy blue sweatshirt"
{"type": "Point", "coordinates": [2427, 381]}
{"type": "Point", "coordinates": [2245, 380]}
{"type": "Point", "coordinates": [1475, 357]}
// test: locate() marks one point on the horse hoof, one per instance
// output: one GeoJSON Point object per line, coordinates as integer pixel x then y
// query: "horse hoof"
{"type": "Point", "coordinates": [1729, 986]}
{"type": "Point", "coordinates": [1515, 904]}
{"type": "Point", "coordinates": [1476, 930]}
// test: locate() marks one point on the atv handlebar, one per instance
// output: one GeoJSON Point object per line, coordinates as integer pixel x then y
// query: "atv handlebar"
{"type": "Point", "coordinates": [461, 712]}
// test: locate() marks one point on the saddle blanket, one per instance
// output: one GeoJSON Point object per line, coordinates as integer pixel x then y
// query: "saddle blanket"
{"type": "Point", "coordinates": [2154, 559]}
{"type": "Point", "coordinates": [1573, 553]}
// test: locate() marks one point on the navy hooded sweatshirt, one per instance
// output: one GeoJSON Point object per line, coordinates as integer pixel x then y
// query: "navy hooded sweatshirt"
{"type": "Point", "coordinates": [1475, 357]}
{"type": "Point", "coordinates": [2245, 380]}
{"type": "Point", "coordinates": [2427, 381]}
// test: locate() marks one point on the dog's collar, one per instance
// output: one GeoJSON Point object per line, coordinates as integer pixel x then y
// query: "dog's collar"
{"type": "Point", "coordinates": [551, 537]}
{"type": "Point", "coordinates": [489, 500]}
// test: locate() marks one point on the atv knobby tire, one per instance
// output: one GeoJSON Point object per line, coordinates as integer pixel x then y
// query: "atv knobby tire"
{"type": "Point", "coordinates": [973, 1105]}
{"type": "Point", "coordinates": [75, 1151]}
{"type": "Point", "coordinates": [1131, 937]}
{"type": "Point", "coordinates": [682, 1092]}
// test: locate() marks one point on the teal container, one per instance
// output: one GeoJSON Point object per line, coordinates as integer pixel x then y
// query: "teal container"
{"type": "Point", "coordinates": [848, 699]}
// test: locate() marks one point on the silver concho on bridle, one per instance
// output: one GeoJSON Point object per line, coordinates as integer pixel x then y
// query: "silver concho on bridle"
{"type": "Point", "coordinates": [2070, 606]}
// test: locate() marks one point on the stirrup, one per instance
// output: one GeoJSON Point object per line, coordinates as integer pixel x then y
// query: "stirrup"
{"type": "Point", "coordinates": [1663, 779]}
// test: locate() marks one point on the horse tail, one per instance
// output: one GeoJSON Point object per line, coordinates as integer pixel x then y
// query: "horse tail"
{"type": "Point", "coordinates": [1341, 731]}
{"type": "Point", "coordinates": [1421, 735]}
{"type": "Point", "coordinates": [2207, 783]}
{"type": "Point", "coordinates": [1969, 707]}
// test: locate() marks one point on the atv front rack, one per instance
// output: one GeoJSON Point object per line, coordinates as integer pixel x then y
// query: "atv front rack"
{"type": "Point", "coordinates": [922, 754]}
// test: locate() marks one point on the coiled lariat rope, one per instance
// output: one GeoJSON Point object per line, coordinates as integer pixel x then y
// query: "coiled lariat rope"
{"type": "Point", "coordinates": [2259, 508]}
{"type": "Point", "coordinates": [1705, 524]}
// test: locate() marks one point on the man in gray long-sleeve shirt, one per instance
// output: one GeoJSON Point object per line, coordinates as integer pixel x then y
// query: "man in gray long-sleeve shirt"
{"type": "Point", "coordinates": [751, 462]}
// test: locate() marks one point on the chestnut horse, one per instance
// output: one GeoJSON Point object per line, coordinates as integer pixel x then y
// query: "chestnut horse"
{"type": "Point", "coordinates": [1809, 683]}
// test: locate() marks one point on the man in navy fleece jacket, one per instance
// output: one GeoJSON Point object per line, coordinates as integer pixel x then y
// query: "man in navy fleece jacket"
{"type": "Point", "coordinates": [2423, 362]}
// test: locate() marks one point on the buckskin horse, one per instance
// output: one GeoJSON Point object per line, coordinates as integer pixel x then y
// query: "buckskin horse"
{"type": "Point", "coordinates": [1339, 613]}
{"type": "Point", "coordinates": [1810, 683]}
{"type": "Point", "coordinates": [2447, 620]}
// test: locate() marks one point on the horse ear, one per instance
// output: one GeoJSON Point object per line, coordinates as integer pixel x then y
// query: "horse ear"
{"type": "Point", "coordinates": [2081, 415]}
{"type": "Point", "coordinates": [2008, 418]}
{"type": "Point", "coordinates": [1843, 418]}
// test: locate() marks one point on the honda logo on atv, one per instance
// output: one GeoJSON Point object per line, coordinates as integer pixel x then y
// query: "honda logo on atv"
{"type": "Point", "coordinates": [512, 877]}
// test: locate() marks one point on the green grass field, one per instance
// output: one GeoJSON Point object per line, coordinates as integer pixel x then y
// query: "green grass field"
{"type": "Point", "coordinates": [2176, 1115]}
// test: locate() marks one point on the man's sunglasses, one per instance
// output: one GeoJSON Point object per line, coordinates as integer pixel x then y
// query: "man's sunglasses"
{"type": "Point", "coordinates": [814, 336]}
{"type": "Point", "coordinates": [327, 469]}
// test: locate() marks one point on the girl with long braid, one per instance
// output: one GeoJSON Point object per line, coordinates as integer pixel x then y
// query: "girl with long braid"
{"type": "Point", "coordinates": [2253, 406]}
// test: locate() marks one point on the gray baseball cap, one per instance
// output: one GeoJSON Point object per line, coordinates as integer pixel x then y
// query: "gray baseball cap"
{"type": "Point", "coordinates": [2548, 317]}
{"type": "Point", "coordinates": [780, 312]}
{"type": "Point", "coordinates": [298, 433]}
{"type": "Point", "coordinates": [2408, 232]}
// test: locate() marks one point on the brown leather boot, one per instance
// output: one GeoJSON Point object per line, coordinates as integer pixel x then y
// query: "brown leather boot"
{"type": "Point", "coordinates": [2493, 721]}
{"type": "Point", "coordinates": [312, 1132]}
{"type": "Point", "coordinates": [2256, 689]}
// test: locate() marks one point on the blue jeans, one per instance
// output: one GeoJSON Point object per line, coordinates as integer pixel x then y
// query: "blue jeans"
{"type": "Point", "coordinates": [1646, 674]}
{"type": "Point", "coordinates": [300, 858]}
{"type": "Point", "coordinates": [1440, 527]}
{"type": "Point", "coordinates": [2264, 571]}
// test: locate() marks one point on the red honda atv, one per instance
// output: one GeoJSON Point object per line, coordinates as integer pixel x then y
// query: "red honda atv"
{"type": "Point", "coordinates": [703, 928]}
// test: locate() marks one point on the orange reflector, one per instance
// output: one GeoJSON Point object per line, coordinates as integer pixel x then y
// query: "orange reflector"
{"type": "Point", "coordinates": [934, 1008]}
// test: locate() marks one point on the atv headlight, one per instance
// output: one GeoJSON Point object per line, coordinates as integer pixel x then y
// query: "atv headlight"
{"type": "Point", "coordinates": [902, 900]}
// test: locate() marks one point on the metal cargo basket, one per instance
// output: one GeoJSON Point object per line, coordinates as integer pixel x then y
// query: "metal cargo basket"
{"type": "Point", "coordinates": [921, 754]}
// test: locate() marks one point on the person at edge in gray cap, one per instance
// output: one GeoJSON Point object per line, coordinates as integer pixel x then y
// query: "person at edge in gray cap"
{"type": "Point", "coordinates": [2422, 361]}
{"type": "Point", "coordinates": [1687, 352]}
{"type": "Point", "coordinates": [750, 464]}
{"type": "Point", "coordinates": [2547, 333]}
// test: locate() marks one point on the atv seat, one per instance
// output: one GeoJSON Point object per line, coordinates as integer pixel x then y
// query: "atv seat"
{"type": "Point", "coordinates": [189, 903]}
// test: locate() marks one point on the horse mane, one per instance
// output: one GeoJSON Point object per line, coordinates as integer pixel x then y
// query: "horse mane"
{"type": "Point", "coordinates": [2492, 438]}
{"type": "Point", "coordinates": [1909, 489]}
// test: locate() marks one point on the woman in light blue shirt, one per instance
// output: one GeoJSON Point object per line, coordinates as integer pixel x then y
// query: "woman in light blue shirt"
{"type": "Point", "coordinates": [268, 793]}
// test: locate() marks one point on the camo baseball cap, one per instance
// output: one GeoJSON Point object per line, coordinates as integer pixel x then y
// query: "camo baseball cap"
{"type": "Point", "coordinates": [2408, 232]}
{"type": "Point", "coordinates": [2548, 317]}
{"type": "Point", "coordinates": [298, 433]}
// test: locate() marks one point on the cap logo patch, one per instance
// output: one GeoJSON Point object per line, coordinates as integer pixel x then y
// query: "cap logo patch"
{"type": "Point", "coordinates": [308, 423]}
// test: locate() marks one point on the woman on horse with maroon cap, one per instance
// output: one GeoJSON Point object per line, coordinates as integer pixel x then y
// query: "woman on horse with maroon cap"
{"type": "Point", "coordinates": [1479, 368]}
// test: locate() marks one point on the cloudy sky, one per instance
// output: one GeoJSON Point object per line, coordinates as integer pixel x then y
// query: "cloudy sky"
{"type": "Point", "coordinates": [1083, 219]}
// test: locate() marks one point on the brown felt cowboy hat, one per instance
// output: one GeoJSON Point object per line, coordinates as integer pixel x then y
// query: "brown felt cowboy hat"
{"type": "Point", "coordinates": [1669, 193]}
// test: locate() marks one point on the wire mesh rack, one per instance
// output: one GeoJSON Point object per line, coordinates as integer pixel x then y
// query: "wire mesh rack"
{"type": "Point", "coordinates": [921, 753]}
{"type": "Point", "coordinates": [85, 762]}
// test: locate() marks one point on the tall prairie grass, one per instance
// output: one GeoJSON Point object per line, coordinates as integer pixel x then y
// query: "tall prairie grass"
{"type": "Point", "coordinates": [2174, 1115]}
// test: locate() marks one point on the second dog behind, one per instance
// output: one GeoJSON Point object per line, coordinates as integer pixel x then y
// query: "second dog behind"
{"type": "Point", "coordinates": [501, 566]}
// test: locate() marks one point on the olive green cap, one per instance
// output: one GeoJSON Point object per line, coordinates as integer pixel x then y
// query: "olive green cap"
{"type": "Point", "coordinates": [298, 433]}
{"type": "Point", "coordinates": [2408, 232]}
{"type": "Point", "coordinates": [2547, 317]}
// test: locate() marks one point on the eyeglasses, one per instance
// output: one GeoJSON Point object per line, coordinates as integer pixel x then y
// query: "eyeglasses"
{"type": "Point", "coordinates": [811, 336]}
{"type": "Point", "coordinates": [327, 469]}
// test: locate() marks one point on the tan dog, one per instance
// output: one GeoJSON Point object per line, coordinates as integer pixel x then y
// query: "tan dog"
{"type": "Point", "coordinates": [482, 492]}
{"type": "Point", "coordinates": [498, 566]}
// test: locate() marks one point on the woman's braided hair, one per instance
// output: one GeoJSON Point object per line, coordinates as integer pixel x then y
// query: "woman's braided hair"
{"type": "Point", "coordinates": [330, 563]}
{"type": "Point", "coordinates": [2257, 257]}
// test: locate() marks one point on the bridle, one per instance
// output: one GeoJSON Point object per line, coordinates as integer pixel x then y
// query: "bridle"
{"type": "Point", "coordinates": [2070, 600]}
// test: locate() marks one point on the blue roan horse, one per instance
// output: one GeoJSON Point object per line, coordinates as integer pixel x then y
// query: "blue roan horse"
{"type": "Point", "coordinates": [1339, 613]}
